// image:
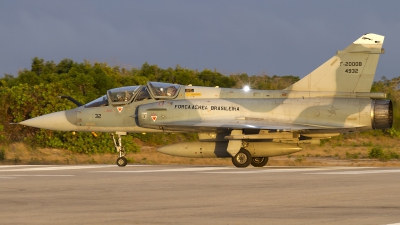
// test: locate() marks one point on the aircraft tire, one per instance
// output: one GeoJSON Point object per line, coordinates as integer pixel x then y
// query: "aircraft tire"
{"type": "Point", "coordinates": [242, 158]}
{"type": "Point", "coordinates": [122, 161]}
{"type": "Point", "coordinates": [259, 161]}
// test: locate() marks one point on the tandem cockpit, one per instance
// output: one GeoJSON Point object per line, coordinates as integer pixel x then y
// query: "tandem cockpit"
{"type": "Point", "coordinates": [129, 94]}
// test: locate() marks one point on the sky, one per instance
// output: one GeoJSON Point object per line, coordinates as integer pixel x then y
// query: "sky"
{"type": "Point", "coordinates": [285, 37]}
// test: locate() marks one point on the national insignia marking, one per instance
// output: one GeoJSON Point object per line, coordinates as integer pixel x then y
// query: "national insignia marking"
{"type": "Point", "coordinates": [332, 111]}
{"type": "Point", "coordinates": [154, 117]}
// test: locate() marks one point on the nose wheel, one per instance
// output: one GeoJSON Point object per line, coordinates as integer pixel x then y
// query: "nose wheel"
{"type": "Point", "coordinates": [121, 161]}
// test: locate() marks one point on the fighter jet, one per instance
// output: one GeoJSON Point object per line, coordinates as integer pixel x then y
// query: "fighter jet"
{"type": "Point", "coordinates": [248, 126]}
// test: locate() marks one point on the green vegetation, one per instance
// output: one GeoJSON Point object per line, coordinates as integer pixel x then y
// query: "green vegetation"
{"type": "Point", "coordinates": [35, 92]}
{"type": "Point", "coordinates": [299, 159]}
{"type": "Point", "coordinates": [378, 152]}
{"type": "Point", "coordinates": [353, 155]}
{"type": "Point", "coordinates": [2, 154]}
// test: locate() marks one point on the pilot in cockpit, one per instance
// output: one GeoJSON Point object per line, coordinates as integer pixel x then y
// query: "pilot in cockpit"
{"type": "Point", "coordinates": [161, 92]}
{"type": "Point", "coordinates": [171, 91]}
{"type": "Point", "coordinates": [127, 96]}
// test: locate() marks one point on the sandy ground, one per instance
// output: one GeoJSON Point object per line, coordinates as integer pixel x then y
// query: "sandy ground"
{"type": "Point", "coordinates": [330, 155]}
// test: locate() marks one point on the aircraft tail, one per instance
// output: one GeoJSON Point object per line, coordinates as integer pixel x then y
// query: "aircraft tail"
{"type": "Point", "coordinates": [350, 70]}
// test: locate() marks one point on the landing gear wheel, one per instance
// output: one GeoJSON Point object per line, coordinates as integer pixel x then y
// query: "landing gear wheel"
{"type": "Point", "coordinates": [122, 161]}
{"type": "Point", "coordinates": [259, 161]}
{"type": "Point", "coordinates": [242, 158]}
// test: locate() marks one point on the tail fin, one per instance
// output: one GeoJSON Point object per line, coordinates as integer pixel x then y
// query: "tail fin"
{"type": "Point", "coordinates": [350, 70]}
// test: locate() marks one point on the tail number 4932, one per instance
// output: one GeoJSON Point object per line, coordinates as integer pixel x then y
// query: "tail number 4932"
{"type": "Point", "coordinates": [351, 71]}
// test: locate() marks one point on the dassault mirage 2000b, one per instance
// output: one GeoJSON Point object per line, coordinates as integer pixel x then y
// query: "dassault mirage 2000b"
{"type": "Point", "coordinates": [247, 125]}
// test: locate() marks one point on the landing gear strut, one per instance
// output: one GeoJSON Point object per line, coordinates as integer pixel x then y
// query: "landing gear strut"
{"type": "Point", "coordinates": [121, 161]}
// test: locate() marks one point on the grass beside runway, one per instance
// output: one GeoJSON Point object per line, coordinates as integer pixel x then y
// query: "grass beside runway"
{"type": "Point", "coordinates": [352, 150]}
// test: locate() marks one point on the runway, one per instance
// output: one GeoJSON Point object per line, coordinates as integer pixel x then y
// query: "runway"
{"type": "Point", "coordinates": [136, 194]}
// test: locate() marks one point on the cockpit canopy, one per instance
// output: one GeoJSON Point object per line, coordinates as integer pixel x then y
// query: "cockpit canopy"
{"type": "Point", "coordinates": [125, 95]}
{"type": "Point", "coordinates": [163, 90]}
{"type": "Point", "coordinates": [122, 95]}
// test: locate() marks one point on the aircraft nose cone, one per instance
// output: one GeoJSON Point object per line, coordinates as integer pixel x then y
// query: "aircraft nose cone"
{"type": "Point", "coordinates": [61, 121]}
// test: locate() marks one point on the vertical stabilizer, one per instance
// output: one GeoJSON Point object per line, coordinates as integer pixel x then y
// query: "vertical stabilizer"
{"type": "Point", "coordinates": [350, 70]}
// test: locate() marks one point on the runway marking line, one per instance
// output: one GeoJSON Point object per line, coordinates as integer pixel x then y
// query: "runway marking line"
{"type": "Point", "coordinates": [194, 169]}
{"type": "Point", "coordinates": [18, 176]}
{"type": "Point", "coordinates": [7, 166]}
{"type": "Point", "coordinates": [358, 172]}
{"type": "Point", "coordinates": [40, 175]}
{"type": "Point", "coordinates": [52, 168]}
{"type": "Point", "coordinates": [209, 170]}
{"type": "Point", "coordinates": [233, 170]}
{"type": "Point", "coordinates": [285, 170]}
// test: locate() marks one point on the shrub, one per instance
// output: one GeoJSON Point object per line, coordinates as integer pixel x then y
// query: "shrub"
{"type": "Point", "coordinates": [353, 155]}
{"type": "Point", "coordinates": [299, 159]}
{"type": "Point", "coordinates": [367, 144]}
{"type": "Point", "coordinates": [376, 152]}
{"type": "Point", "coordinates": [393, 155]}
{"type": "Point", "coordinates": [2, 154]}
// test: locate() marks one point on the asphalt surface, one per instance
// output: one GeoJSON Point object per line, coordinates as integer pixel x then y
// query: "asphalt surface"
{"type": "Point", "coordinates": [107, 194]}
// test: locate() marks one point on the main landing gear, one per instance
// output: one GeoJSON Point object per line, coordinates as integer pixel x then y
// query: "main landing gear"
{"type": "Point", "coordinates": [243, 159]}
{"type": "Point", "coordinates": [121, 161]}
{"type": "Point", "coordinates": [259, 161]}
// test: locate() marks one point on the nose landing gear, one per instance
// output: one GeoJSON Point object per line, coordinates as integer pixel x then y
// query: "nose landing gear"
{"type": "Point", "coordinates": [121, 161]}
